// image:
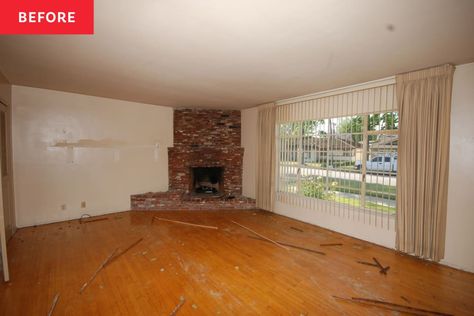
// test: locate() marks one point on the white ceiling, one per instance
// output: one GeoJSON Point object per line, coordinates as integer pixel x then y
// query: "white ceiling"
{"type": "Point", "coordinates": [235, 54]}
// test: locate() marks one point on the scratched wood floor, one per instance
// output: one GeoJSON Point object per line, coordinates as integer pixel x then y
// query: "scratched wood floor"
{"type": "Point", "coordinates": [218, 272]}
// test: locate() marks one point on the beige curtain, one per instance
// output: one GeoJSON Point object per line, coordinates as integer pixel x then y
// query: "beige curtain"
{"type": "Point", "coordinates": [424, 103]}
{"type": "Point", "coordinates": [266, 157]}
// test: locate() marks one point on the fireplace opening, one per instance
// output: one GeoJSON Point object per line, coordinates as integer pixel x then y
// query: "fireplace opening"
{"type": "Point", "coordinates": [206, 180]}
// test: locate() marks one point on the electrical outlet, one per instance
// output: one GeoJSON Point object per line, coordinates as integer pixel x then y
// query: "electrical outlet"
{"type": "Point", "coordinates": [63, 207]}
{"type": "Point", "coordinates": [83, 204]}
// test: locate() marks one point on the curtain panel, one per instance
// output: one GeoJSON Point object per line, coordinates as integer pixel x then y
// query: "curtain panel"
{"type": "Point", "coordinates": [424, 104]}
{"type": "Point", "coordinates": [266, 157]}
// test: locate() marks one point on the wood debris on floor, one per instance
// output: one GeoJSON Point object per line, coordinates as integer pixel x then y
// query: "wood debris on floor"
{"type": "Point", "coordinates": [261, 236]}
{"type": "Point", "coordinates": [125, 250]}
{"type": "Point", "coordinates": [112, 257]}
{"type": "Point", "coordinates": [178, 306]}
{"type": "Point", "coordinates": [86, 218]}
{"type": "Point", "coordinates": [405, 299]}
{"type": "Point", "coordinates": [383, 270]}
{"type": "Point", "coordinates": [217, 272]}
{"type": "Point", "coordinates": [185, 223]}
{"type": "Point", "coordinates": [102, 266]}
{"type": "Point", "coordinates": [297, 229]}
{"type": "Point", "coordinates": [368, 263]}
{"type": "Point", "coordinates": [53, 304]}
{"type": "Point", "coordinates": [291, 246]}
{"type": "Point", "coordinates": [391, 306]}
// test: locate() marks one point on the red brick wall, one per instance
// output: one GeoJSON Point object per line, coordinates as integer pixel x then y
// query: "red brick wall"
{"type": "Point", "coordinates": [207, 128]}
{"type": "Point", "coordinates": [178, 201]}
{"type": "Point", "coordinates": [206, 138]}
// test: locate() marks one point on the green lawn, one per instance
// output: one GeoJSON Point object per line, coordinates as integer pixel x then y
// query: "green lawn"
{"type": "Point", "coordinates": [369, 205]}
{"type": "Point", "coordinates": [371, 189]}
{"type": "Point", "coordinates": [352, 186]}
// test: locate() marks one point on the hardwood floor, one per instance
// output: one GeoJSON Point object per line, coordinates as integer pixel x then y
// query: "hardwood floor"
{"type": "Point", "coordinates": [218, 272]}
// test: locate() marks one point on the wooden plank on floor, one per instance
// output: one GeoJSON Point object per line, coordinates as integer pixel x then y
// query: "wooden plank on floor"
{"type": "Point", "coordinates": [261, 236]}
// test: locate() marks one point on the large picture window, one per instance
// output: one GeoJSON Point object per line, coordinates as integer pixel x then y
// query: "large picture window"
{"type": "Point", "coordinates": [349, 160]}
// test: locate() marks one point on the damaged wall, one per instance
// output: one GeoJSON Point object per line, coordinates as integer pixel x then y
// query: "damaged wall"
{"type": "Point", "coordinates": [70, 148]}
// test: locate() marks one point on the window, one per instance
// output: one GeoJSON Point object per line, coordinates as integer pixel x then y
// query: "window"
{"type": "Point", "coordinates": [351, 160]}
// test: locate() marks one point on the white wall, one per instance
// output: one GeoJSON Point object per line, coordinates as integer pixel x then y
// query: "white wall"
{"type": "Point", "coordinates": [69, 148]}
{"type": "Point", "coordinates": [384, 236]}
{"type": "Point", "coordinates": [249, 143]}
{"type": "Point", "coordinates": [460, 222]}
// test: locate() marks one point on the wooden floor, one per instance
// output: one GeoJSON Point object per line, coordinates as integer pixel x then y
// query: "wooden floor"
{"type": "Point", "coordinates": [218, 272]}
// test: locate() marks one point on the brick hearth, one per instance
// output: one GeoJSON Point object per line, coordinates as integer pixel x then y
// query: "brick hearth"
{"type": "Point", "coordinates": [202, 138]}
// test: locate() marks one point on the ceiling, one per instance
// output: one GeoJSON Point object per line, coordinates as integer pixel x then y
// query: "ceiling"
{"type": "Point", "coordinates": [236, 54]}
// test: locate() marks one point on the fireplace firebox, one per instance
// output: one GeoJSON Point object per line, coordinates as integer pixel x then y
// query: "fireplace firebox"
{"type": "Point", "coordinates": [207, 180]}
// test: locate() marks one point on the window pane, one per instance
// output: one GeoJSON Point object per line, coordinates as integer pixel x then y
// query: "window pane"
{"type": "Point", "coordinates": [381, 179]}
{"type": "Point", "coordinates": [383, 121]}
{"type": "Point", "coordinates": [324, 159]}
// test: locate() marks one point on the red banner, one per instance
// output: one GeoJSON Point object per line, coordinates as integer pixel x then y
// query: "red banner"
{"type": "Point", "coordinates": [46, 16]}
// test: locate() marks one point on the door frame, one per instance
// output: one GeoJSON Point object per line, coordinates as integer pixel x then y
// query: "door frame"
{"type": "Point", "coordinates": [3, 236]}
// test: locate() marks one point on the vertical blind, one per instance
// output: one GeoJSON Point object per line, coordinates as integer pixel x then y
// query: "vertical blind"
{"type": "Point", "coordinates": [363, 101]}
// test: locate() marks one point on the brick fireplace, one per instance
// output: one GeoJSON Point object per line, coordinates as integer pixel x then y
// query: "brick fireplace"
{"type": "Point", "coordinates": [204, 164]}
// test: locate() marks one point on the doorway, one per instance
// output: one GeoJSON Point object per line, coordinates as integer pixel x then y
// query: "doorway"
{"type": "Point", "coordinates": [7, 220]}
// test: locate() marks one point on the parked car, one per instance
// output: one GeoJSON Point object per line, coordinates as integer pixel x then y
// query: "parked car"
{"type": "Point", "coordinates": [381, 162]}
